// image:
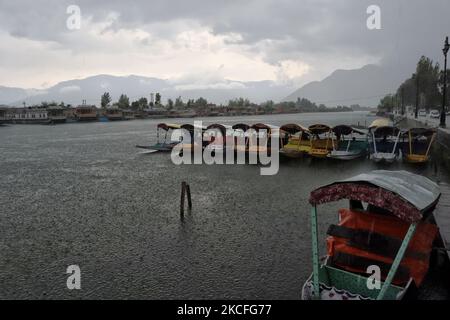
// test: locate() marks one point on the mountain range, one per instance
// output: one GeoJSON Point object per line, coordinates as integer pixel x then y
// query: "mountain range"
{"type": "Point", "coordinates": [364, 86]}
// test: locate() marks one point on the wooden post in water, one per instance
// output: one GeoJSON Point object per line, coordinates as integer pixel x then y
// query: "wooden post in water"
{"type": "Point", "coordinates": [188, 191]}
{"type": "Point", "coordinates": [183, 191]}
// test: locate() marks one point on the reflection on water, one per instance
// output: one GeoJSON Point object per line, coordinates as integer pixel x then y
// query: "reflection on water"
{"type": "Point", "coordinates": [83, 194]}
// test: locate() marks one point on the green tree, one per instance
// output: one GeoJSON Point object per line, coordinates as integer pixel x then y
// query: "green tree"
{"type": "Point", "coordinates": [105, 100]}
{"type": "Point", "coordinates": [201, 102]}
{"type": "Point", "coordinates": [169, 104]}
{"type": "Point", "coordinates": [179, 103]}
{"type": "Point", "coordinates": [124, 101]}
{"type": "Point", "coordinates": [157, 98]}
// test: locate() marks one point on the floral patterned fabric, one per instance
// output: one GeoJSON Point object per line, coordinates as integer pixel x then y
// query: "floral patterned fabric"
{"type": "Point", "coordinates": [370, 194]}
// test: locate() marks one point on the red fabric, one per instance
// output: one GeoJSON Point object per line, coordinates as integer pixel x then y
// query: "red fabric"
{"type": "Point", "coordinates": [390, 226]}
{"type": "Point", "coordinates": [370, 194]}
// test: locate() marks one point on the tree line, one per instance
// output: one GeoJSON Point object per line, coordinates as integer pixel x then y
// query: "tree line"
{"type": "Point", "coordinates": [423, 89]}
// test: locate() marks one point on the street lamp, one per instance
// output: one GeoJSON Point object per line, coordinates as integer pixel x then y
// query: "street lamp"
{"type": "Point", "coordinates": [444, 91]}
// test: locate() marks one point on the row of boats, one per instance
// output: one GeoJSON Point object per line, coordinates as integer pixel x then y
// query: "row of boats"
{"type": "Point", "coordinates": [382, 142]}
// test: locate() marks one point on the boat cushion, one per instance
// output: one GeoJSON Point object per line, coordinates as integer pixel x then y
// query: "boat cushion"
{"type": "Point", "coordinates": [376, 237]}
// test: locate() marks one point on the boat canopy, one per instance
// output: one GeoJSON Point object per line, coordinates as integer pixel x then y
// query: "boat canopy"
{"type": "Point", "coordinates": [383, 122]}
{"type": "Point", "coordinates": [241, 126]}
{"type": "Point", "coordinates": [386, 131]}
{"type": "Point", "coordinates": [319, 128]}
{"type": "Point", "coordinates": [222, 127]}
{"type": "Point", "coordinates": [168, 126]}
{"type": "Point", "coordinates": [345, 130]}
{"type": "Point", "coordinates": [408, 196]}
{"type": "Point", "coordinates": [293, 128]}
{"type": "Point", "coordinates": [427, 132]}
{"type": "Point", "coordinates": [263, 126]}
{"type": "Point", "coordinates": [191, 127]}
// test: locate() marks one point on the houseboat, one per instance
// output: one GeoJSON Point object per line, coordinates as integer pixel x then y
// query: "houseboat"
{"type": "Point", "coordinates": [114, 114]}
{"type": "Point", "coordinates": [128, 114]}
{"type": "Point", "coordinates": [86, 113]}
{"type": "Point", "coordinates": [3, 115]}
{"type": "Point", "coordinates": [31, 115]}
{"type": "Point", "coordinates": [56, 114]}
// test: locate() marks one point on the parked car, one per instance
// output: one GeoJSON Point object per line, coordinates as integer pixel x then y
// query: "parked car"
{"type": "Point", "coordinates": [422, 113]}
{"type": "Point", "coordinates": [435, 114]}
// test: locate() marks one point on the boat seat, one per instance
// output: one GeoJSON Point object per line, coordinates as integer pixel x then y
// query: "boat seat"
{"type": "Point", "coordinates": [362, 239]}
{"type": "Point", "coordinates": [372, 241]}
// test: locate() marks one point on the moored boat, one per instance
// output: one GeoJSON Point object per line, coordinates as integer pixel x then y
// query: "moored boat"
{"type": "Point", "coordinates": [114, 114]}
{"type": "Point", "coordinates": [384, 141]}
{"type": "Point", "coordinates": [260, 139]}
{"type": "Point", "coordinates": [298, 140]}
{"type": "Point", "coordinates": [219, 136]}
{"type": "Point", "coordinates": [56, 114]}
{"type": "Point", "coordinates": [321, 140]}
{"type": "Point", "coordinates": [345, 145]}
{"type": "Point", "coordinates": [241, 137]}
{"type": "Point", "coordinates": [86, 113]}
{"type": "Point", "coordinates": [387, 229]}
{"type": "Point", "coordinates": [164, 141]}
{"type": "Point", "coordinates": [417, 145]}
{"type": "Point", "coordinates": [196, 138]}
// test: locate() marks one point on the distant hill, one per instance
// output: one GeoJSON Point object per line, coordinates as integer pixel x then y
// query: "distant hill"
{"type": "Point", "coordinates": [364, 86]}
{"type": "Point", "coordinates": [91, 88]}
{"type": "Point", "coordinates": [8, 94]}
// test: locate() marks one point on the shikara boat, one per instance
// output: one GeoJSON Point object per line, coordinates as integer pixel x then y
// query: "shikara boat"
{"type": "Point", "coordinates": [345, 145]}
{"type": "Point", "coordinates": [163, 138]}
{"type": "Point", "coordinates": [219, 136]}
{"type": "Point", "coordinates": [384, 141]}
{"type": "Point", "coordinates": [298, 140]}
{"type": "Point", "coordinates": [417, 145]}
{"type": "Point", "coordinates": [260, 139]}
{"type": "Point", "coordinates": [194, 131]}
{"type": "Point", "coordinates": [388, 225]}
{"type": "Point", "coordinates": [241, 137]}
{"type": "Point", "coordinates": [321, 141]}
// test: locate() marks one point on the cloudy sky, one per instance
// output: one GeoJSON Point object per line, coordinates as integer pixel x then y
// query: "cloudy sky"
{"type": "Point", "coordinates": [193, 41]}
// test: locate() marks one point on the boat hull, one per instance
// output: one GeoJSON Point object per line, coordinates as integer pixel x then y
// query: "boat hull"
{"type": "Point", "coordinates": [383, 157]}
{"type": "Point", "coordinates": [345, 155]}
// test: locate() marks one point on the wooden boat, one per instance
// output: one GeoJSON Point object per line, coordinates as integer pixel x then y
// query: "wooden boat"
{"type": "Point", "coordinates": [56, 114]}
{"type": "Point", "coordinates": [219, 136]}
{"type": "Point", "coordinates": [321, 140]}
{"type": "Point", "coordinates": [241, 137]}
{"type": "Point", "coordinates": [416, 148]}
{"type": "Point", "coordinates": [114, 114]}
{"type": "Point", "coordinates": [346, 146]}
{"type": "Point", "coordinates": [260, 139]}
{"type": "Point", "coordinates": [298, 140]}
{"type": "Point", "coordinates": [3, 115]}
{"type": "Point", "coordinates": [194, 132]}
{"type": "Point", "coordinates": [86, 113]}
{"type": "Point", "coordinates": [395, 232]}
{"type": "Point", "coordinates": [164, 141]}
{"type": "Point", "coordinates": [384, 143]}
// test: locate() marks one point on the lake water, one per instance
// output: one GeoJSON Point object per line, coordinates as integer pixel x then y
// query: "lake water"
{"type": "Point", "coordinates": [83, 194]}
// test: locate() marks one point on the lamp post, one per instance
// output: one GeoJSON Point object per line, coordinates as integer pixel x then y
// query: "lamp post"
{"type": "Point", "coordinates": [444, 91]}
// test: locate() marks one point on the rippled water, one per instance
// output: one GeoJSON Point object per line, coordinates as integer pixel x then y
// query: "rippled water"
{"type": "Point", "coordinates": [83, 194]}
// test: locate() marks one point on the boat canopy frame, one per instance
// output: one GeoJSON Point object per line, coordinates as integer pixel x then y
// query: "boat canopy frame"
{"type": "Point", "coordinates": [417, 132]}
{"type": "Point", "coordinates": [404, 190]}
{"type": "Point", "coordinates": [166, 127]}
